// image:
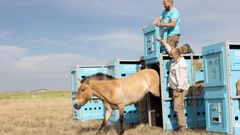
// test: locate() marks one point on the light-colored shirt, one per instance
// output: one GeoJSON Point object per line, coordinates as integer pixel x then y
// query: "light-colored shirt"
{"type": "Point", "coordinates": [178, 75]}
{"type": "Point", "coordinates": [167, 16]}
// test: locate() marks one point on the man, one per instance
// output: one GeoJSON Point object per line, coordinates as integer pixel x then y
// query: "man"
{"type": "Point", "coordinates": [172, 15]}
{"type": "Point", "coordinates": [178, 82]}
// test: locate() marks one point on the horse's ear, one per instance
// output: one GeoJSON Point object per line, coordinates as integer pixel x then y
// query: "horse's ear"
{"type": "Point", "coordinates": [87, 82]}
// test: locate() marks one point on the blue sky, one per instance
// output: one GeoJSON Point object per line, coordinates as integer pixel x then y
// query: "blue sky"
{"type": "Point", "coordinates": [41, 40]}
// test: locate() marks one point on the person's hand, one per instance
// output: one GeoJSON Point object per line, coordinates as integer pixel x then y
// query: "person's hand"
{"type": "Point", "coordinates": [175, 93]}
{"type": "Point", "coordinates": [154, 22]}
{"type": "Point", "coordinates": [160, 24]}
{"type": "Point", "coordinates": [158, 38]}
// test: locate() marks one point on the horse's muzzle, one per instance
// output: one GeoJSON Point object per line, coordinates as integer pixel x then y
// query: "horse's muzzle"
{"type": "Point", "coordinates": [77, 106]}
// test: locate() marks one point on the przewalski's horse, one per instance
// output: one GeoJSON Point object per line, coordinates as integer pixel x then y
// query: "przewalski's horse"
{"type": "Point", "coordinates": [117, 93]}
{"type": "Point", "coordinates": [238, 87]}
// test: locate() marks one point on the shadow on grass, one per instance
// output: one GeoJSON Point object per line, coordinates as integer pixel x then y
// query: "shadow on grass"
{"type": "Point", "coordinates": [94, 130]}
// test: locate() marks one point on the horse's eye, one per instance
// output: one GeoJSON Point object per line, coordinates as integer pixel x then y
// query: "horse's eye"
{"type": "Point", "coordinates": [83, 90]}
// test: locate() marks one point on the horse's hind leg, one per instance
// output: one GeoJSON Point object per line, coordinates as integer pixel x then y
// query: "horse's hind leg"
{"type": "Point", "coordinates": [108, 112]}
{"type": "Point", "coordinates": [121, 117]}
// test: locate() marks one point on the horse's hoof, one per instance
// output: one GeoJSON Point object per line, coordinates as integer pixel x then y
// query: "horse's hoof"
{"type": "Point", "coordinates": [120, 132]}
{"type": "Point", "coordinates": [98, 133]}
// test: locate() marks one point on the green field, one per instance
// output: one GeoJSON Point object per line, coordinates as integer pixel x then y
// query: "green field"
{"type": "Point", "coordinates": [50, 113]}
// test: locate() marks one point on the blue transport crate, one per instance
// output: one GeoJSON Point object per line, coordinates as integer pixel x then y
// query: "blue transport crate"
{"type": "Point", "coordinates": [119, 68]}
{"type": "Point", "coordinates": [93, 109]}
{"type": "Point", "coordinates": [80, 72]}
{"type": "Point", "coordinates": [152, 48]}
{"type": "Point", "coordinates": [221, 72]}
{"type": "Point", "coordinates": [193, 104]}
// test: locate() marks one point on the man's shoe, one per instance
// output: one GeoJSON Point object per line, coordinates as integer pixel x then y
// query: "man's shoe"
{"type": "Point", "coordinates": [181, 129]}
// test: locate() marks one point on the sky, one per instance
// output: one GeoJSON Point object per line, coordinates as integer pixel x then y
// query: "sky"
{"type": "Point", "coordinates": [42, 40]}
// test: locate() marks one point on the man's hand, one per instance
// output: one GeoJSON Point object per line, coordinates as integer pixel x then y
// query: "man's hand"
{"type": "Point", "coordinates": [161, 24]}
{"type": "Point", "coordinates": [157, 21]}
{"type": "Point", "coordinates": [158, 38]}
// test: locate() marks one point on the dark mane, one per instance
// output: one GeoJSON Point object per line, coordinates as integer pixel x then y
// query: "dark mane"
{"type": "Point", "coordinates": [98, 76]}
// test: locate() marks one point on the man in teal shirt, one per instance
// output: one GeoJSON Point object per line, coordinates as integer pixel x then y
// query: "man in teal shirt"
{"type": "Point", "coordinates": [170, 18]}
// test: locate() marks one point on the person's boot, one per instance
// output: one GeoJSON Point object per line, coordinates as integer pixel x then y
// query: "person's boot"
{"type": "Point", "coordinates": [182, 128]}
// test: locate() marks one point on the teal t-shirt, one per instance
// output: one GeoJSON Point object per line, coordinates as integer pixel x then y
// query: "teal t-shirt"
{"type": "Point", "coordinates": [172, 14]}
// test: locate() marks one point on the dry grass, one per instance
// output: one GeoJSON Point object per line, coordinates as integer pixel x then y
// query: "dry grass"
{"type": "Point", "coordinates": [50, 113]}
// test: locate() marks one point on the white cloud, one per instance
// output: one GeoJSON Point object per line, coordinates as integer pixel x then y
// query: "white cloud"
{"type": "Point", "coordinates": [20, 71]}
{"type": "Point", "coordinates": [115, 40]}
{"type": "Point", "coordinates": [12, 51]}
{"type": "Point", "coordinates": [126, 8]}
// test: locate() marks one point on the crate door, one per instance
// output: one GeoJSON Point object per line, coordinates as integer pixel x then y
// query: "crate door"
{"type": "Point", "coordinates": [216, 101]}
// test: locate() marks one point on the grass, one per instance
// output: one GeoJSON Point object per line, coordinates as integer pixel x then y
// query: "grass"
{"type": "Point", "coordinates": [50, 113]}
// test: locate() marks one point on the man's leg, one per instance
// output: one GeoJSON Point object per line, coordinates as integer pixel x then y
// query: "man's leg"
{"type": "Point", "coordinates": [178, 98]}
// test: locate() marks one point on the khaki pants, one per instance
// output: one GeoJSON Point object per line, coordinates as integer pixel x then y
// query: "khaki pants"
{"type": "Point", "coordinates": [173, 42]}
{"type": "Point", "coordinates": [178, 99]}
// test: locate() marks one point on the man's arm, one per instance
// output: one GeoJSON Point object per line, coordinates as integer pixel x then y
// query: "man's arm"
{"type": "Point", "coordinates": [166, 45]}
{"type": "Point", "coordinates": [171, 24]}
{"type": "Point", "coordinates": [157, 21]}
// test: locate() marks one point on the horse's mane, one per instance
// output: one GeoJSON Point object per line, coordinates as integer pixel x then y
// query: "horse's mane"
{"type": "Point", "coordinates": [98, 76]}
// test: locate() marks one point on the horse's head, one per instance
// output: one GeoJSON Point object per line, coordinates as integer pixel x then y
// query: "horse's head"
{"type": "Point", "coordinates": [84, 94]}
{"type": "Point", "coordinates": [85, 91]}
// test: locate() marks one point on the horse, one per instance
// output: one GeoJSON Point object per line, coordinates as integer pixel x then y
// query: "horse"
{"type": "Point", "coordinates": [198, 87]}
{"type": "Point", "coordinates": [118, 93]}
{"type": "Point", "coordinates": [238, 87]}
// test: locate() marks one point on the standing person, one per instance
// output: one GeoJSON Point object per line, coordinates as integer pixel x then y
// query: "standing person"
{"type": "Point", "coordinates": [173, 16]}
{"type": "Point", "coordinates": [178, 82]}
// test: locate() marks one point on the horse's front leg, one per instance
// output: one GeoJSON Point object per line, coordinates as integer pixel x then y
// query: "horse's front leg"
{"type": "Point", "coordinates": [107, 115]}
{"type": "Point", "coordinates": [121, 117]}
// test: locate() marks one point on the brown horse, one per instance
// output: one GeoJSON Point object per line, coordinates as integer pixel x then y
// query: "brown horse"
{"type": "Point", "coordinates": [198, 87]}
{"type": "Point", "coordinates": [117, 93]}
{"type": "Point", "coordinates": [238, 87]}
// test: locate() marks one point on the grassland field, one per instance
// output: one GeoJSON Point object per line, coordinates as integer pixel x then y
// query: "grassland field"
{"type": "Point", "coordinates": [50, 113]}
